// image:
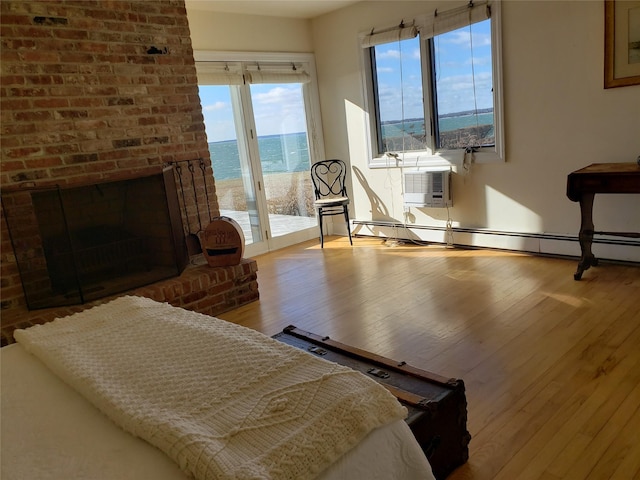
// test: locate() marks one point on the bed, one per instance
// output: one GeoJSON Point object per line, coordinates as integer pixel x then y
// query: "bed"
{"type": "Point", "coordinates": [136, 389]}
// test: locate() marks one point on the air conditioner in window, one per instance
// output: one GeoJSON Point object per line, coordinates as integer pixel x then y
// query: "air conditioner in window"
{"type": "Point", "coordinates": [427, 189]}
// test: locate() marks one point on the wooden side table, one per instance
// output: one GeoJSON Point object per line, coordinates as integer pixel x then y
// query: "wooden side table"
{"type": "Point", "coordinates": [582, 186]}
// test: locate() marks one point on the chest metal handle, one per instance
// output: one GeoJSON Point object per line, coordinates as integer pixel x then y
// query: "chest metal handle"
{"type": "Point", "coordinates": [376, 372]}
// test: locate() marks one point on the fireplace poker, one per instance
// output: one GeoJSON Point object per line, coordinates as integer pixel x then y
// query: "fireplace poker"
{"type": "Point", "coordinates": [192, 240]}
{"type": "Point", "coordinates": [206, 189]}
{"type": "Point", "coordinates": [195, 195]}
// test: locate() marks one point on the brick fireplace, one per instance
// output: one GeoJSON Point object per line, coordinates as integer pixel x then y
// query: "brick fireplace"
{"type": "Point", "coordinates": [94, 93]}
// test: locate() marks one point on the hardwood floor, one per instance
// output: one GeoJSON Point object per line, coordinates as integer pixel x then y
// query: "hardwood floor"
{"type": "Point", "coordinates": [551, 365]}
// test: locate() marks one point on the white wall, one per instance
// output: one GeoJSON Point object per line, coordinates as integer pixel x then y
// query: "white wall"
{"type": "Point", "coordinates": [229, 32]}
{"type": "Point", "coordinates": [558, 117]}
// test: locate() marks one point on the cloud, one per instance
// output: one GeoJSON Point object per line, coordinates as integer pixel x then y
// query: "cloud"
{"type": "Point", "coordinates": [463, 92]}
{"type": "Point", "coordinates": [391, 53]}
{"type": "Point", "coordinates": [396, 103]}
{"type": "Point", "coordinates": [215, 106]}
{"type": "Point", "coordinates": [219, 130]}
{"type": "Point", "coordinates": [414, 53]}
{"type": "Point", "coordinates": [278, 109]}
{"type": "Point", "coordinates": [462, 38]}
{"type": "Point", "coordinates": [277, 94]}
{"type": "Point", "coordinates": [479, 61]}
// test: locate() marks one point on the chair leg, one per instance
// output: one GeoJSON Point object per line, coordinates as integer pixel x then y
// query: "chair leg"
{"type": "Point", "coordinates": [321, 230]}
{"type": "Point", "coordinates": [346, 217]}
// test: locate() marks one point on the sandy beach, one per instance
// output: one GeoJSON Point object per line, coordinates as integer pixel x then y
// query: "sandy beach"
{"type": "Point", "coordinates": [287, 193]}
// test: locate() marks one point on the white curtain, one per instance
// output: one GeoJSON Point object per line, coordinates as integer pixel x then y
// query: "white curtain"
{"type": "Point", "coordinates": [277, 76]}
{"type": "Point", "coordinates": [219, 73]}
{"type": "Point", "coordinates": [447, 20]}
{"type": "Point", "coordinates": [389, 35]}
{"type": "Point", "coordinates": [430, 25]}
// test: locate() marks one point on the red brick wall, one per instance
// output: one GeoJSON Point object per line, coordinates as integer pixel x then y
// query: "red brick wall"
{"type": "Point", "coordinates": [94, 90]}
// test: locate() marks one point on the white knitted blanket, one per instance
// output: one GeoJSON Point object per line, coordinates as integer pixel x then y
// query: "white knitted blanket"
{"type": "Point", "coordinates": [222, 400]}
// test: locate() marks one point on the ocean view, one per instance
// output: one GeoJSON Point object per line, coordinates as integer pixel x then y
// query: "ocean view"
{"type": "Point", "coordinates": [278, 154]}
{"type": "Point", "coordinates": [290, 153]}
{"type": "Point", "coordinates": [447, 124]}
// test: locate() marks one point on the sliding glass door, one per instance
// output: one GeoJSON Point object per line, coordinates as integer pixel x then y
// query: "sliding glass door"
{"type": "Point", "coordinates": [283, 148]}
{"type": "Point", "coordinates": [260, 129]}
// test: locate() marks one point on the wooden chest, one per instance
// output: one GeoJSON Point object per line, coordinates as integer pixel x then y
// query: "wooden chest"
{"type": "Point", "coordinates": [437, 405]}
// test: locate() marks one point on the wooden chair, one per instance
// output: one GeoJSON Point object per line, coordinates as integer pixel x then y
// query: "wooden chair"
{"type": "Point", "coordinates": [329, 187]}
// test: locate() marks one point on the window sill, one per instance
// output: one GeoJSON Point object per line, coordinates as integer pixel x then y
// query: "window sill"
{"type": "Point", "coordinates": [450, 158]}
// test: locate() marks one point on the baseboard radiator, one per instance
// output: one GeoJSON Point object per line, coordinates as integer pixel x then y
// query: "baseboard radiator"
{"type": "Point", "coordinates": [610, 248]}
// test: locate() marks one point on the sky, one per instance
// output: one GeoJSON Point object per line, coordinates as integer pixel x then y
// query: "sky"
{"type": "Point", "coordinates": [279, 108]}
{"type": "Point", "coordinates": [399, 64]}
{"type": "Point", "coordinates": [217, 112]}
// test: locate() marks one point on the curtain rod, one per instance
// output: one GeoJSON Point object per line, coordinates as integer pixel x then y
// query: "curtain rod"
{"type": "Point", "coordinates": [258, 64]}
{"type": "Point", "coordinates": [462, 8]}
{"type": "Point", "coordinates": [400, 26]}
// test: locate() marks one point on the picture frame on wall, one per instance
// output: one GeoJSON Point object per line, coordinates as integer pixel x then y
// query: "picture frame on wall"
{"type": "Point", "coordinates": [621, 43]}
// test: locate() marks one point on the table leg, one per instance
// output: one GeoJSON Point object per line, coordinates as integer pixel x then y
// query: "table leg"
{"type": "Point", "coordinates": [586, 235]}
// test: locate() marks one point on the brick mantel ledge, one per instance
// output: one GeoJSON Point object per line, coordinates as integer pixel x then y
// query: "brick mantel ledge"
{"type": "Point", "coordinates": [200, 288]}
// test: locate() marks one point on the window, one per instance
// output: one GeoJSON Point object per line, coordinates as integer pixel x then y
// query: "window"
{"type": "Point", "coordinates": [435, 88]}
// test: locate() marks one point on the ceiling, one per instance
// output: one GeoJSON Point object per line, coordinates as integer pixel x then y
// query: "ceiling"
{"type": "Point", "coordinates": [274, 8]}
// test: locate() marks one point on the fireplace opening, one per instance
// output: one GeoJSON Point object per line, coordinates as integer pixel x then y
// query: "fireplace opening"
{"type": "Point", "coordinates": [99, 253]}
{"type": "Point", "coordinates": [79, 244]}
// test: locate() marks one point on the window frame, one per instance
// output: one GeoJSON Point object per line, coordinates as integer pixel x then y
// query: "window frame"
{"type": "Point", "coordinates": [431, 156]}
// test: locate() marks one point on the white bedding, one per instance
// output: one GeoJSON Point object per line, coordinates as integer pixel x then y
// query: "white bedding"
{"type": "Point", "coordinates": [51, 431]}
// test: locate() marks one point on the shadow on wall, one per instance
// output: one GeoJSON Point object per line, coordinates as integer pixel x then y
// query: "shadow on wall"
{"type": "Point", "coordinates": [380, 214]}
{"type": "Point", "coordinates": [379, 210]}
{"type": "Point", "coordinates": [382, 224]}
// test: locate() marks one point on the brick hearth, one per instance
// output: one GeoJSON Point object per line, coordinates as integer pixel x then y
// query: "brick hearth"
{"type": "Point", "coordinates": [200, 288]}
{"type": "Point", "coordinates": [98, 91]}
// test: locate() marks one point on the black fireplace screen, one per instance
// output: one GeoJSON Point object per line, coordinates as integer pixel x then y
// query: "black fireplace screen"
{"type": "Point", "coordinates": [74, 245]}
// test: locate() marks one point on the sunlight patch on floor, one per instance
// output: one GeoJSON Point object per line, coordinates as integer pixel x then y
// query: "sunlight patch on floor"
{"type": "Point", "coordinates": [568, 299]}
